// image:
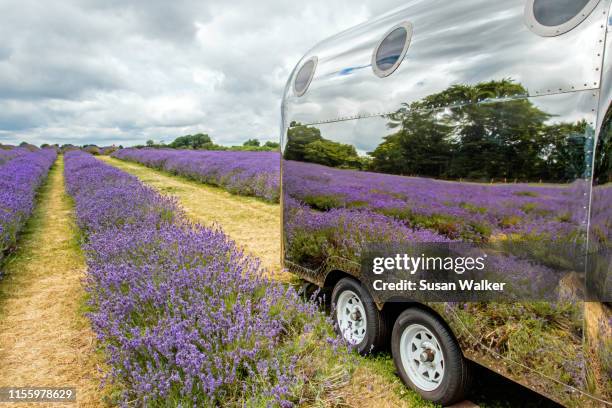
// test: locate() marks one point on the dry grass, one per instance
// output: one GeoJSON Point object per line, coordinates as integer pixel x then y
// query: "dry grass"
{"type": "Point", "coordinates": [44, 338]}
{"type": "Point", "coordinates": [252, 223]}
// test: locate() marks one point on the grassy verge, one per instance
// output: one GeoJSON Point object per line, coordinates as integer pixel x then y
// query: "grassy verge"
{"type": "Point", "coordinates": [44, 338]}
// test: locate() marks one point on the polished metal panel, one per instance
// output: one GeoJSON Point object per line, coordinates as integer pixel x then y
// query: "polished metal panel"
{"type": "Point", "coordinates": [476, 82]}
{"type": "Point", "coordinates": [336, 200]}
{"type": "Point", "coordinates": [598, 315]}
{"type": "Point", "coordinates": [606, 72]}
{"type": "Point", "coordinates": [461, 42]}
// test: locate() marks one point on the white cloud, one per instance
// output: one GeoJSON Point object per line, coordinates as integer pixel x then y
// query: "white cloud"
{"type": "Point", "coordinates": [99, 71]}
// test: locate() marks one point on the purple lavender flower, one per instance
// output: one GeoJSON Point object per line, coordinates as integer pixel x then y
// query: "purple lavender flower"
{"type": "Point", "coordinates": [183, 314]}
{"type": "Point", "coordinates": [20, 177]}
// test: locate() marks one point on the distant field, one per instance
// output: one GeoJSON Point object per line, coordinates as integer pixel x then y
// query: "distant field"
{"type": "Point", "coordinates": [244, 173]}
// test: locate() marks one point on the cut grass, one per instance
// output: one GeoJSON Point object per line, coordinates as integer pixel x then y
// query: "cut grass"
{"type": "Point", "coordinates": [44, 338]}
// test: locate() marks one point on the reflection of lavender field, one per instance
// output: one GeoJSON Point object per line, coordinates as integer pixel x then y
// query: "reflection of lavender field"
{"type": "Point", "coordinates": [19, 180]}
{"type": "Point", "coordinates": [600, 244]}
{"type": "Point", "coordinates": [334, 212]}
{"type": "Point", "coordinates": [466, 211]}
{"type": "Point", "coordinates": [601, 215]}
{"type": "Point", "coordinates": [529, 231]}
{"type": "Point", "coordinates": [245, 173]}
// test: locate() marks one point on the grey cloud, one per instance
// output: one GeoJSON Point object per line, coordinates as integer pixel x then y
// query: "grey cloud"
{"type": "Point", "coordinates": [95, 71]}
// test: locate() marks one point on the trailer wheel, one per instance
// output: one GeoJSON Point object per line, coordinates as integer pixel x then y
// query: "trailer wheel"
{"type": "Point", "coordinates": [428, 357]}
{"type": "Point", "coordinates": [358, 320]}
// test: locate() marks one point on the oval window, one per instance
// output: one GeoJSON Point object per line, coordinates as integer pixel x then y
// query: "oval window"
{"type": "Point", "coordinates": [304, 76]}
{"type": "Point", "coordinates": [550, 18]}
{"type": "Point", "coordinates": [390, 51]}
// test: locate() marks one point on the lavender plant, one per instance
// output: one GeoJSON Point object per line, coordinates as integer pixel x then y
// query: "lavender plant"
{"type": "Point", "coordinates": [9, 154]}
{"type": "Point", "coordinates": [244, 173]}
{"type": "Point", "coordinates": [20, 178]}
{"type": "Point", "coordinates": [185, 317]}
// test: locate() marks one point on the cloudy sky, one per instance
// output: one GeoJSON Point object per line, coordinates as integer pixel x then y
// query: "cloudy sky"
{"type": "Point", "coordinates": [117, 71]}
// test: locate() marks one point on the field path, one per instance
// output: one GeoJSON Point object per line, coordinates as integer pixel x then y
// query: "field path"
{"type": "Point", "coordinates": [252, 223]}
{"type": "Point", "coordinates": [44, 338]}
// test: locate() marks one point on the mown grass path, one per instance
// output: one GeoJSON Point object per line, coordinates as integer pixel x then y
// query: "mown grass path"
{"type": "Point", "coordinates": [252, 223]}
{"type": "Point", "coordinates": [44, 338]}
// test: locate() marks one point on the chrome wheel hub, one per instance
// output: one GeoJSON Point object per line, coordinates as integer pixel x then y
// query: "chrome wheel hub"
{"type": "Point", "coordinates": [422, 357]}
{"type": "Point", "coordinates": [351, 317]}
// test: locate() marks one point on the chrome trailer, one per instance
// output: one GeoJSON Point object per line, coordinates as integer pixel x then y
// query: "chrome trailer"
{"type": "Point", "coordinates": [476, 121]}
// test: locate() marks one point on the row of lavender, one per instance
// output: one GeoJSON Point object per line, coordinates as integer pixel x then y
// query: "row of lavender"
{"type": "Point", "coordinates": [244, 173]}
{"type": "Point", "coordinates": [20, 178]}
{"type": "Point", "coordinates": [9, 154]}
{"type": "Point", "coordinates": [185, 317]}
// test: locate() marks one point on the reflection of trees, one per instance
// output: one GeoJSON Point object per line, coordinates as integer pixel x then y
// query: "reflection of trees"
{"type": "Point", "coordinates": [602, 171]}
{"type": "Point", "coordinates": [305, 143]}
{"type": "Point", "coordinates": [505, 139]}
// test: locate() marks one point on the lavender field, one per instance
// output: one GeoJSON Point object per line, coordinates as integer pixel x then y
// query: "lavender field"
{"type": "Point", "coordinates": [20, 176]}
{"type": "Point", "coordinates": [244, 173]}
{"type": "Point", "coordinates": [184, 316]}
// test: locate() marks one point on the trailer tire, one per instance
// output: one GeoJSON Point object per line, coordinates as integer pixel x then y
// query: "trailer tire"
{"type": "Point", "coordinates": [428, 358]}
{"type": "Point", "coordinates": [357, 319]}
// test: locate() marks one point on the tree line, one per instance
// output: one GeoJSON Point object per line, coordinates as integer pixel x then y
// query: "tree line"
{"type": "Point", "coordinates": [471, 139]}
{"type": "Point", "coordinates": [202, 141]}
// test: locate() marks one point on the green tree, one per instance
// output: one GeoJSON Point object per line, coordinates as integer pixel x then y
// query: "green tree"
{"type": "Point", "coordinates": [197, 141]}
{"type": "Point", "coordinates": [331, 154]}
{"type": "Point", "coordinates": [298, 136]}
{"type": "Point", "coordinates": [420, 146]}
{"type": "Point", "coordinates": [478, 139]}
{"type": "Point", "coordinates": [252, 142]}
{"type": "Point", "coordinates": [150, 143]}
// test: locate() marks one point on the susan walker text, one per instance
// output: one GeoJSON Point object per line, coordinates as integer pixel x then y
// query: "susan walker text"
{"type": "Point", "coordinates": [425, 285]}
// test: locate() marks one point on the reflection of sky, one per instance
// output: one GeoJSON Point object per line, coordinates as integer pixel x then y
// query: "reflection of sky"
{"type": "Point", "coordinates": [367, 133]}
{"type": "Point", "coordinates": [465, 42]}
